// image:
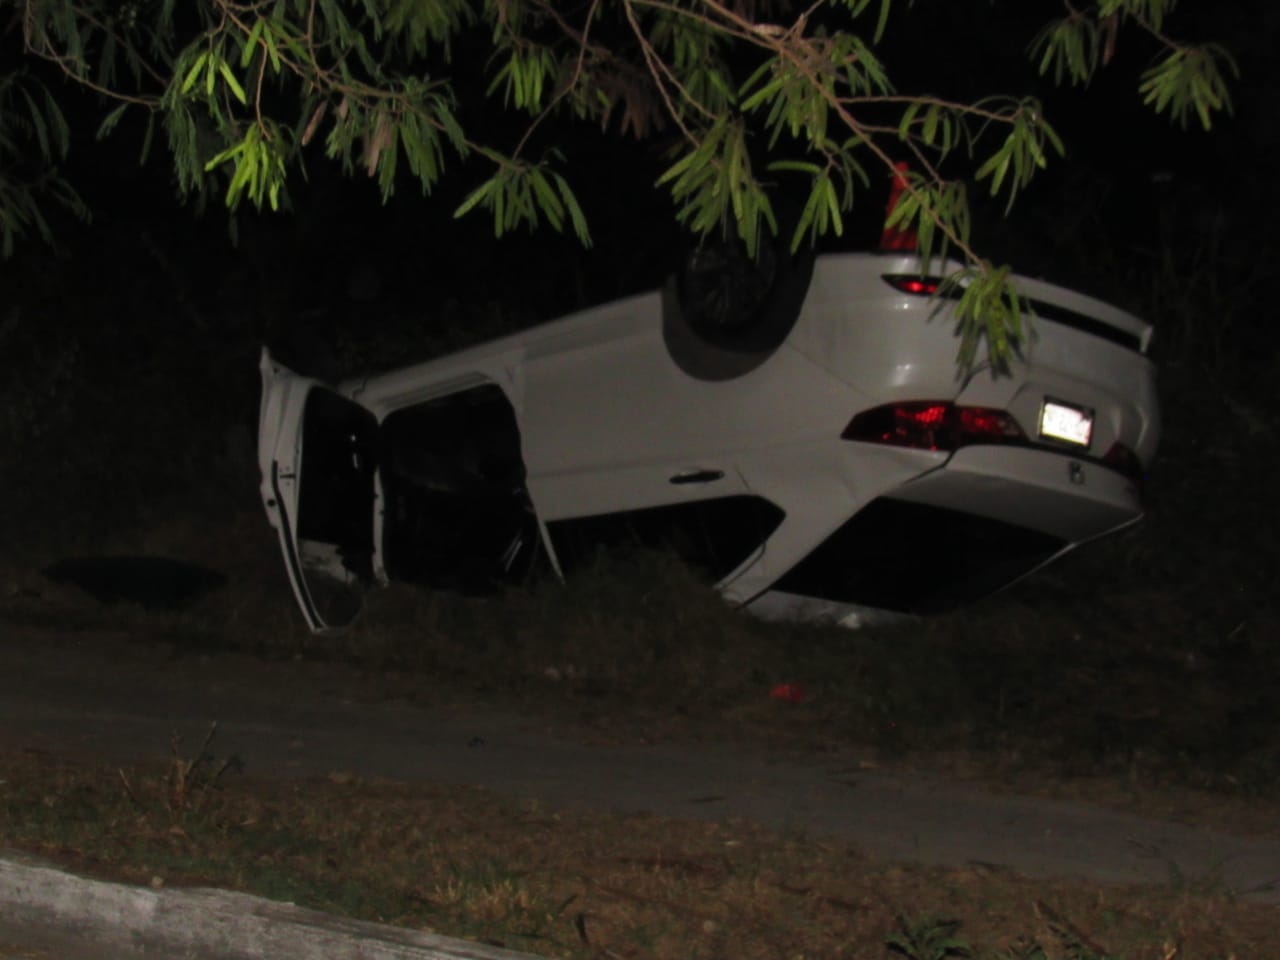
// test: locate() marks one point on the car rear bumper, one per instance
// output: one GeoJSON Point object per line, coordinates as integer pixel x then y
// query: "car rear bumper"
{"type": "Point", "coordinates": [989, 517]}
{"type": "Point", "coordinates": [1068, 497]}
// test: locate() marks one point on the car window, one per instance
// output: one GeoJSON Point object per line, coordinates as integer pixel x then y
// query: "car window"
{"type": "Point", "coordinates": [335, 504]}
{"type": "Point", "coordinates": [714, 536]}
{"type": "Point", "coordinates": [457, 511]}
{"type": "Point", "coordinates": [917, 558]}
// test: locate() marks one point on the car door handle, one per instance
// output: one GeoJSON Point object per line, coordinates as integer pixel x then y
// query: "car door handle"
{"type": "Point", "coordinates": [697, 476]}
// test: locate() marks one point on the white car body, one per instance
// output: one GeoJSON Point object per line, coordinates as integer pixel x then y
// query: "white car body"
{"type": "Point", "coordinates": [619, 421]}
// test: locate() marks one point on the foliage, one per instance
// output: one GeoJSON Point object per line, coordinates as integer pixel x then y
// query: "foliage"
{"type": "Point", "coordinates": [33, 137]}
{"type": "Point", "coordinates": [927, 938]}
{"type": "Point", "coordinates": [187, 781]}
{"type": "Point", "coordinates": [750, 98]}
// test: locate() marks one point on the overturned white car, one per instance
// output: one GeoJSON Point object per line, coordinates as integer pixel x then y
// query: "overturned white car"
{"type": "Point", "coordinates": [806, 443]}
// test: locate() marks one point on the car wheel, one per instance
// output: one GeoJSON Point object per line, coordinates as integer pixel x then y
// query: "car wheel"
{"type": "Point", "coordinates": [725, 313]}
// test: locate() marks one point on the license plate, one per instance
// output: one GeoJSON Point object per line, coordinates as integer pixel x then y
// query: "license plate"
{"type": "Point", "coordinates": [1066, 423]}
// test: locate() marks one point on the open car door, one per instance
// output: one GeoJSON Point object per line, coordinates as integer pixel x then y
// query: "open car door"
{"type": "Point", "coordinates": [317, 455]}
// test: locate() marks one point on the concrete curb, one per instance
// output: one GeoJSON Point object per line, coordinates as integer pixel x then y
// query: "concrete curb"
{"type": "Point", "coordinates": [203, 922]}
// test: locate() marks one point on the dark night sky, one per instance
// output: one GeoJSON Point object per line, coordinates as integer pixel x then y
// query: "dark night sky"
{"type": "Point", "coordinates": [302, 262]}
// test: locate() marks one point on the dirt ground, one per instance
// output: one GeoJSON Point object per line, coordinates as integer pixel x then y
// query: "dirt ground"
{"type": "Point", "coordinates": [656, 843]}
{"type": "Point", "coordinates": [102, 694]}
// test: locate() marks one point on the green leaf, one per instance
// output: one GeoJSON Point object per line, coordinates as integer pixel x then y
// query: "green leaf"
{"type": "Point", "coordinates": [883, 20]}
{"type": "Point", "coordinates": [988, 312]}
{"type": "Point", "coordinates": [1070, 47]}
{"type": "Point", "coordinates": [833, 208]}
{"type": "Point", "coordinates": [148, 137]}
{"type": "Point", "coordinates": [478, 196]}
{"type": "Point", "coordinates": [997, 165]}
{"type": "Point", "coordinates": [230, 80]}
{"type": "Point", "coordinates": [189, 81]}
{"type": "Point", "coordinates": [547, 200]}
{"type": "Point", "coordinates": [110, 120]}
{"type": "Point", "coordinates": [576, 217]}
{"type": "Point", "coordinates": [36, 124]}
{"type": "Point", "coordinates": [1190, 80]}
{"type": "Point", "coordinates": [909, 114]}
{"type": "Point", "coordinates": [795, 166]}
{"type": "Point", "coordinates": [251, 43]}
{"type": "Point", "coordinates": [273, 54]}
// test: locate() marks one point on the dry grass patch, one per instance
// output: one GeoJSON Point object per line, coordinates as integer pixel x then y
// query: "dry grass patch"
{"type": "Point", "coordinates": [467, 863]}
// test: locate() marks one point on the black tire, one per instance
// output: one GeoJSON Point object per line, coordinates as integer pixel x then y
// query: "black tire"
{"type": "Point", "coordinates": [725, 313]}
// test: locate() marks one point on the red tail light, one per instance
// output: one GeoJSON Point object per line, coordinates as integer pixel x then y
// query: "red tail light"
{"type": "Point", "coordinates": [913, 284]}
{"type": "Point", "coordinates": [893, 239]}
{"type": "Point", "coordinates": [933, 425]}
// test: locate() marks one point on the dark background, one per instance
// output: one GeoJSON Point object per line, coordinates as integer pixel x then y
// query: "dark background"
{"type": "Point", "coordinates": [128, 353]}
{"type": "Point", "coordinates": [129, 402]}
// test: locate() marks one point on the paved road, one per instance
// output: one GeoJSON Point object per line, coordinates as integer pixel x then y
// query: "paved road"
{"type": "Point", "coordinates": [121, 700]}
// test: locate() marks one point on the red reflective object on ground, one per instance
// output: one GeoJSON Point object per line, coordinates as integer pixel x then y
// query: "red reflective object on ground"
{"type": "Point", "coordinates": [789, 692]}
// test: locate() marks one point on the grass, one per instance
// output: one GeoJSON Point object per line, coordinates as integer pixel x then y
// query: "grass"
{"type": "Point", "coordinates": [1135, 690]}
{"type": "Point", "coordinates": [1137, 680]}
{"type": "Point", "coordinates": [1139, 668]}
{"type": "Point", "coordinates": [1077, 673]}
{"type": "Point", "coordinates": [1143, 657]}
{"type": "Point", "coordinates": [465, 862]}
